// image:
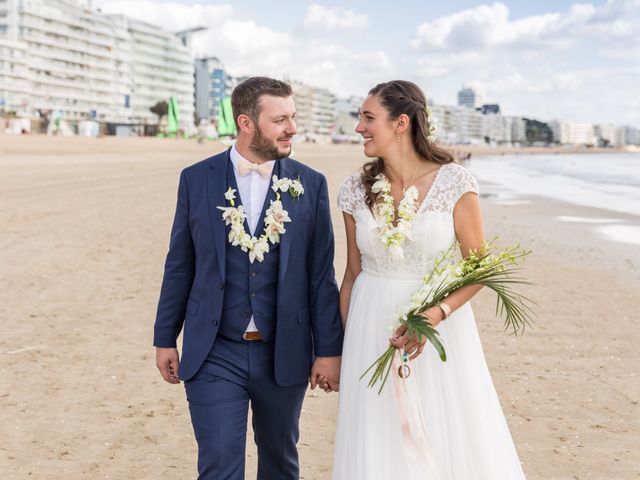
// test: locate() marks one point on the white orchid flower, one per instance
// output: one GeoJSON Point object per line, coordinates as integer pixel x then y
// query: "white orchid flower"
{"type": "Point", "coordinates": [230, 195]}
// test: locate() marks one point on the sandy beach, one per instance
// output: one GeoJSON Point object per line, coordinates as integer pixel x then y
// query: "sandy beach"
{"type": "Point", "coordinates": [85, 228]}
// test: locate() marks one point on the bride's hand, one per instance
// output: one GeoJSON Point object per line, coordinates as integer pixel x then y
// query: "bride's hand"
{"type": "Point", "coordinates": [410, 344]}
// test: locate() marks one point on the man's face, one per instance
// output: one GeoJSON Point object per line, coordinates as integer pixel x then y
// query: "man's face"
{"type": "Point", "coordinates": [275, 128]}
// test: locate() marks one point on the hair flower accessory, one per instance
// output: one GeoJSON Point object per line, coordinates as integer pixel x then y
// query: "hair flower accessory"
{"type": "Point", "coordinates": [434, 124]}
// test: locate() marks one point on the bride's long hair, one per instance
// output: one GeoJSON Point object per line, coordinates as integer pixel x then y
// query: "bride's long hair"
{"type": "Point", "coordinates": [398, 97]}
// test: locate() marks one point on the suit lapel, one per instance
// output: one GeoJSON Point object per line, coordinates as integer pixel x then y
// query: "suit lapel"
{"type": "Point", "coordinates": [216, 185]}
{"type": "Point", "coordinates": [269, 197]}
{"type": "Point", "coordinates": [291, 205]}
{"type": "Point", "coordinates": [233, 183]}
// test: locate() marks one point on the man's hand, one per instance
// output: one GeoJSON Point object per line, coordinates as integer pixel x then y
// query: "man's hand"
{"type": "Point", "coordinates": [326, 373]}
{"type": "Point", "coordinates": [168, 362]}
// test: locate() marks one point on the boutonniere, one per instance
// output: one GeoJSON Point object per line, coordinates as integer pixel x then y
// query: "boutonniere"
{"type": "Point", "coordinates": [275, 218]}
{"type": "Point", "coordinates": [284, 184]}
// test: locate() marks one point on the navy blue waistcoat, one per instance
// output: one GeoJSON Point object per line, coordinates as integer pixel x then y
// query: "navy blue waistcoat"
{"type": "Point", "coordinates": [251, 288]}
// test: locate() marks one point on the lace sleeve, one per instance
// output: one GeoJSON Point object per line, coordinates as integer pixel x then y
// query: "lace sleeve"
{"type": "Point", "coordinates": [464, 182]}
{"type": "Point", "coordinates": [351, 196]}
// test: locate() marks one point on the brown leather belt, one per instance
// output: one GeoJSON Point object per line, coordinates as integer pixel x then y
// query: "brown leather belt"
{"type": "Point", "coordinates": [252, 336]}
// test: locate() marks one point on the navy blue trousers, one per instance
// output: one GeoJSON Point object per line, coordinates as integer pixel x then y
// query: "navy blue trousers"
{"type": "Point", "coordinates": [234, 375]}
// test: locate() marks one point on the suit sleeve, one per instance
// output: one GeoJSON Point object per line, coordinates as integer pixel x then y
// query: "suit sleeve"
{"type": "Point", "coordinates": [178, 277]}
{"type": "Point", "coordinates": [324, 298]}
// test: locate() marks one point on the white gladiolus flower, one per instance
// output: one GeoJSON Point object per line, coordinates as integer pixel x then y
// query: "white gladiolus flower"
{"type": "Point", "coordinates": [273, 232]}
{"type": "Point", "coordinates": [379, 185]}
{"type": "Point", "coordinates": [275, 218]}
{"type": "Point", "coordinates": [282, 184]}
{"type": "Point", "coordinates": [259, 248]}
{"type": "Point", "coordinates": [296, 188]}
{"type": "Point", "coordinates": [230, 195]}
{"type": "Point", "coordinates": [394, 236]}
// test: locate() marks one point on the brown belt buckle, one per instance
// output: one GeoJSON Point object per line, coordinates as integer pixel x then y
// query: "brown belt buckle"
{"type": "Point", "coordinates": [252, 336]}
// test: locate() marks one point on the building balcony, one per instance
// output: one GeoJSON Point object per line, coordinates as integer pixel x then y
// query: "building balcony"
{"type": "Point", "coordinates": [100, 40]}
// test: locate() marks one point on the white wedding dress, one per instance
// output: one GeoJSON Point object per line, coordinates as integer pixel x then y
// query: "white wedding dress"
{"type": "Point", "coordinates": [445, 421]}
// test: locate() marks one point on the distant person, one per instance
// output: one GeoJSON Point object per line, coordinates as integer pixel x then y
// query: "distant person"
{"type": "Point", "coordinates": [444, 422]}
{"type": "Point", "coordinates": [254, 293]}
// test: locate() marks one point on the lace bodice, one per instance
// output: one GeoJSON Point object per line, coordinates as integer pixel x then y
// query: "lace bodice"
{"type": "Point", "coordinates": [433, 229]}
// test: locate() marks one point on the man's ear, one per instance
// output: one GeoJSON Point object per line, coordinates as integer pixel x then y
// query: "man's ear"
{"type": "Point", "coordinates": [245, 124]}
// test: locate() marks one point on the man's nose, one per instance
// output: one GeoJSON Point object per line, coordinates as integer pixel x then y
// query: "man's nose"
{"type": "Point", "coordinates": [292, 128]}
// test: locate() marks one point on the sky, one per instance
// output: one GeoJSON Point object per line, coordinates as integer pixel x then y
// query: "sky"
{"type": "Point", "coordinates": [544, 59]}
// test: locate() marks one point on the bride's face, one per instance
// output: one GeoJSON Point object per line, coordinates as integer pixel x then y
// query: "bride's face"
{"type": "Point", "coordinates": [375, 127]}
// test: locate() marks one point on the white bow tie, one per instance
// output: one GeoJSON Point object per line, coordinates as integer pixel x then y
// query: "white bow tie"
{"type": "Point", "coordinates": [264, 169]}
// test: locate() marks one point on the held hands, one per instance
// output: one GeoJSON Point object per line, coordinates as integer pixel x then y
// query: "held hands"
{"type": "Point", "coordinates": [410, 344]}
{"type": "Point", "coordinates": [325, 373]}
{"type": "Point", "coordinates": [168, 362]}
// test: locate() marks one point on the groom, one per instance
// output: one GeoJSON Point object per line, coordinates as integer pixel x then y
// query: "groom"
{"type": "Point", "coordinates": [255, 297]}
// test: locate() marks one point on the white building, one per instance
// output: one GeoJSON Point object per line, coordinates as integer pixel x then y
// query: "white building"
{"type": "Point", "coordinates": [611, 135]}
{"type": "Point", "coordinates": [631, 136]}
{"type": "Point", "coordinates": [494, 128]}
{"type": "Point", "coordinates": [159, 65]}
{"type": "Point", "coordinates": [470, 97]}
{"type": "Point", "coordinates": [347, 116]}
{"type": "Point", "coordinates": [60, 56]}
{"type": "Point", "coordinates": [15, 88]}
{"type": "Point", "coordinates": [504, 130]}
{"type": "Point", "coordinates": [516, 129]}
{"type": "Point", "coordinates": [573, 133]}
{"type": "Point", "coordinates": [315, 110]}
{"type": "Point", "coordinates": [458, 124]}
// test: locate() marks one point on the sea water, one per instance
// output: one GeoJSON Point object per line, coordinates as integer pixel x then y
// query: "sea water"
{"type": "Point", "coordinates": [610, 181]}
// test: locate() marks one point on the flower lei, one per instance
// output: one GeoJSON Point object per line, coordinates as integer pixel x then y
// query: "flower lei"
{"type": "Point", "coordinates": [275, 218]}
{"type": "Point", "coordinates": [394, 236]}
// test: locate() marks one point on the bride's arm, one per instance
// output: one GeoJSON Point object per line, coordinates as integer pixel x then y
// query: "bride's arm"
{"type": "Point", "coordinates": [354, 266]}
{"type": "Point", "coordinates": [467, 220]}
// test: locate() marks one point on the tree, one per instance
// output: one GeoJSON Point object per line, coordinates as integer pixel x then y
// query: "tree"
{"type": "Point", "coordinates": [160, 109]}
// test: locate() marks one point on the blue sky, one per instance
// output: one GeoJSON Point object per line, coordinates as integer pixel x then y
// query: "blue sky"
{"type": "Point", "coordinates": [547, 60]}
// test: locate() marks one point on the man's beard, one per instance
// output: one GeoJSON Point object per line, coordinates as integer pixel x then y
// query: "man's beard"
{"type": "Point", "coordinates": [265, 148]}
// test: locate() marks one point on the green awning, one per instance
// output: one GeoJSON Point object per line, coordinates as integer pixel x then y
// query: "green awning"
{"type": "Point", "coordinates": [172, 116]}
{"type": "Point", "coordinates": [226, 123]}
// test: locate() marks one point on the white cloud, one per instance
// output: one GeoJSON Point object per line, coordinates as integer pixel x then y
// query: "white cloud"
{"type": "Point", "coordinates": [582, 63]}
{"type": "Point", "coordinates": [441, 64]}
{"type": "Point", "coordinates": [244, 46]}
{"type": "Point", "coordinates": [489, 26]}
{"type": "Point", "coordinates": [319, 17]}
{"type": "Point", "coordinates": [518, 62]}
{"type": "Point", "coordinates": [248, 48]}
{"type": "Point", "coordinates": [341, 69]}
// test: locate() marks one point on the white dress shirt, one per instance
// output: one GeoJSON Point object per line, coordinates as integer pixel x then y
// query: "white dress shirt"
{"type": "Point", "coordinates": [252, 189]}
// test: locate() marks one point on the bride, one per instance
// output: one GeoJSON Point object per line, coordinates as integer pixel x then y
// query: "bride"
{"type": "Point", "coordinates": [444, 421]}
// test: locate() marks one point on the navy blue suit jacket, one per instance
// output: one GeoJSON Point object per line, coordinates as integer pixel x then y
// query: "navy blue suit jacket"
{"type": "Point", "coordinates": [308, 317]}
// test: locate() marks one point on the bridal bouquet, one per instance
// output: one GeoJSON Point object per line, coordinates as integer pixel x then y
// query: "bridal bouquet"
{"type": "Point", "coordinates": [497, 270]}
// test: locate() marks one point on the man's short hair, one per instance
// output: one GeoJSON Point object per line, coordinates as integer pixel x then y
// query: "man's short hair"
{"type": "Point", "coordinates": [245, 98]}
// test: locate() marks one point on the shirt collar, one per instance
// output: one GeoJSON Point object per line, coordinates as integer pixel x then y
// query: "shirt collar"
{"type": "Point", "coordinates": [236, 156]}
